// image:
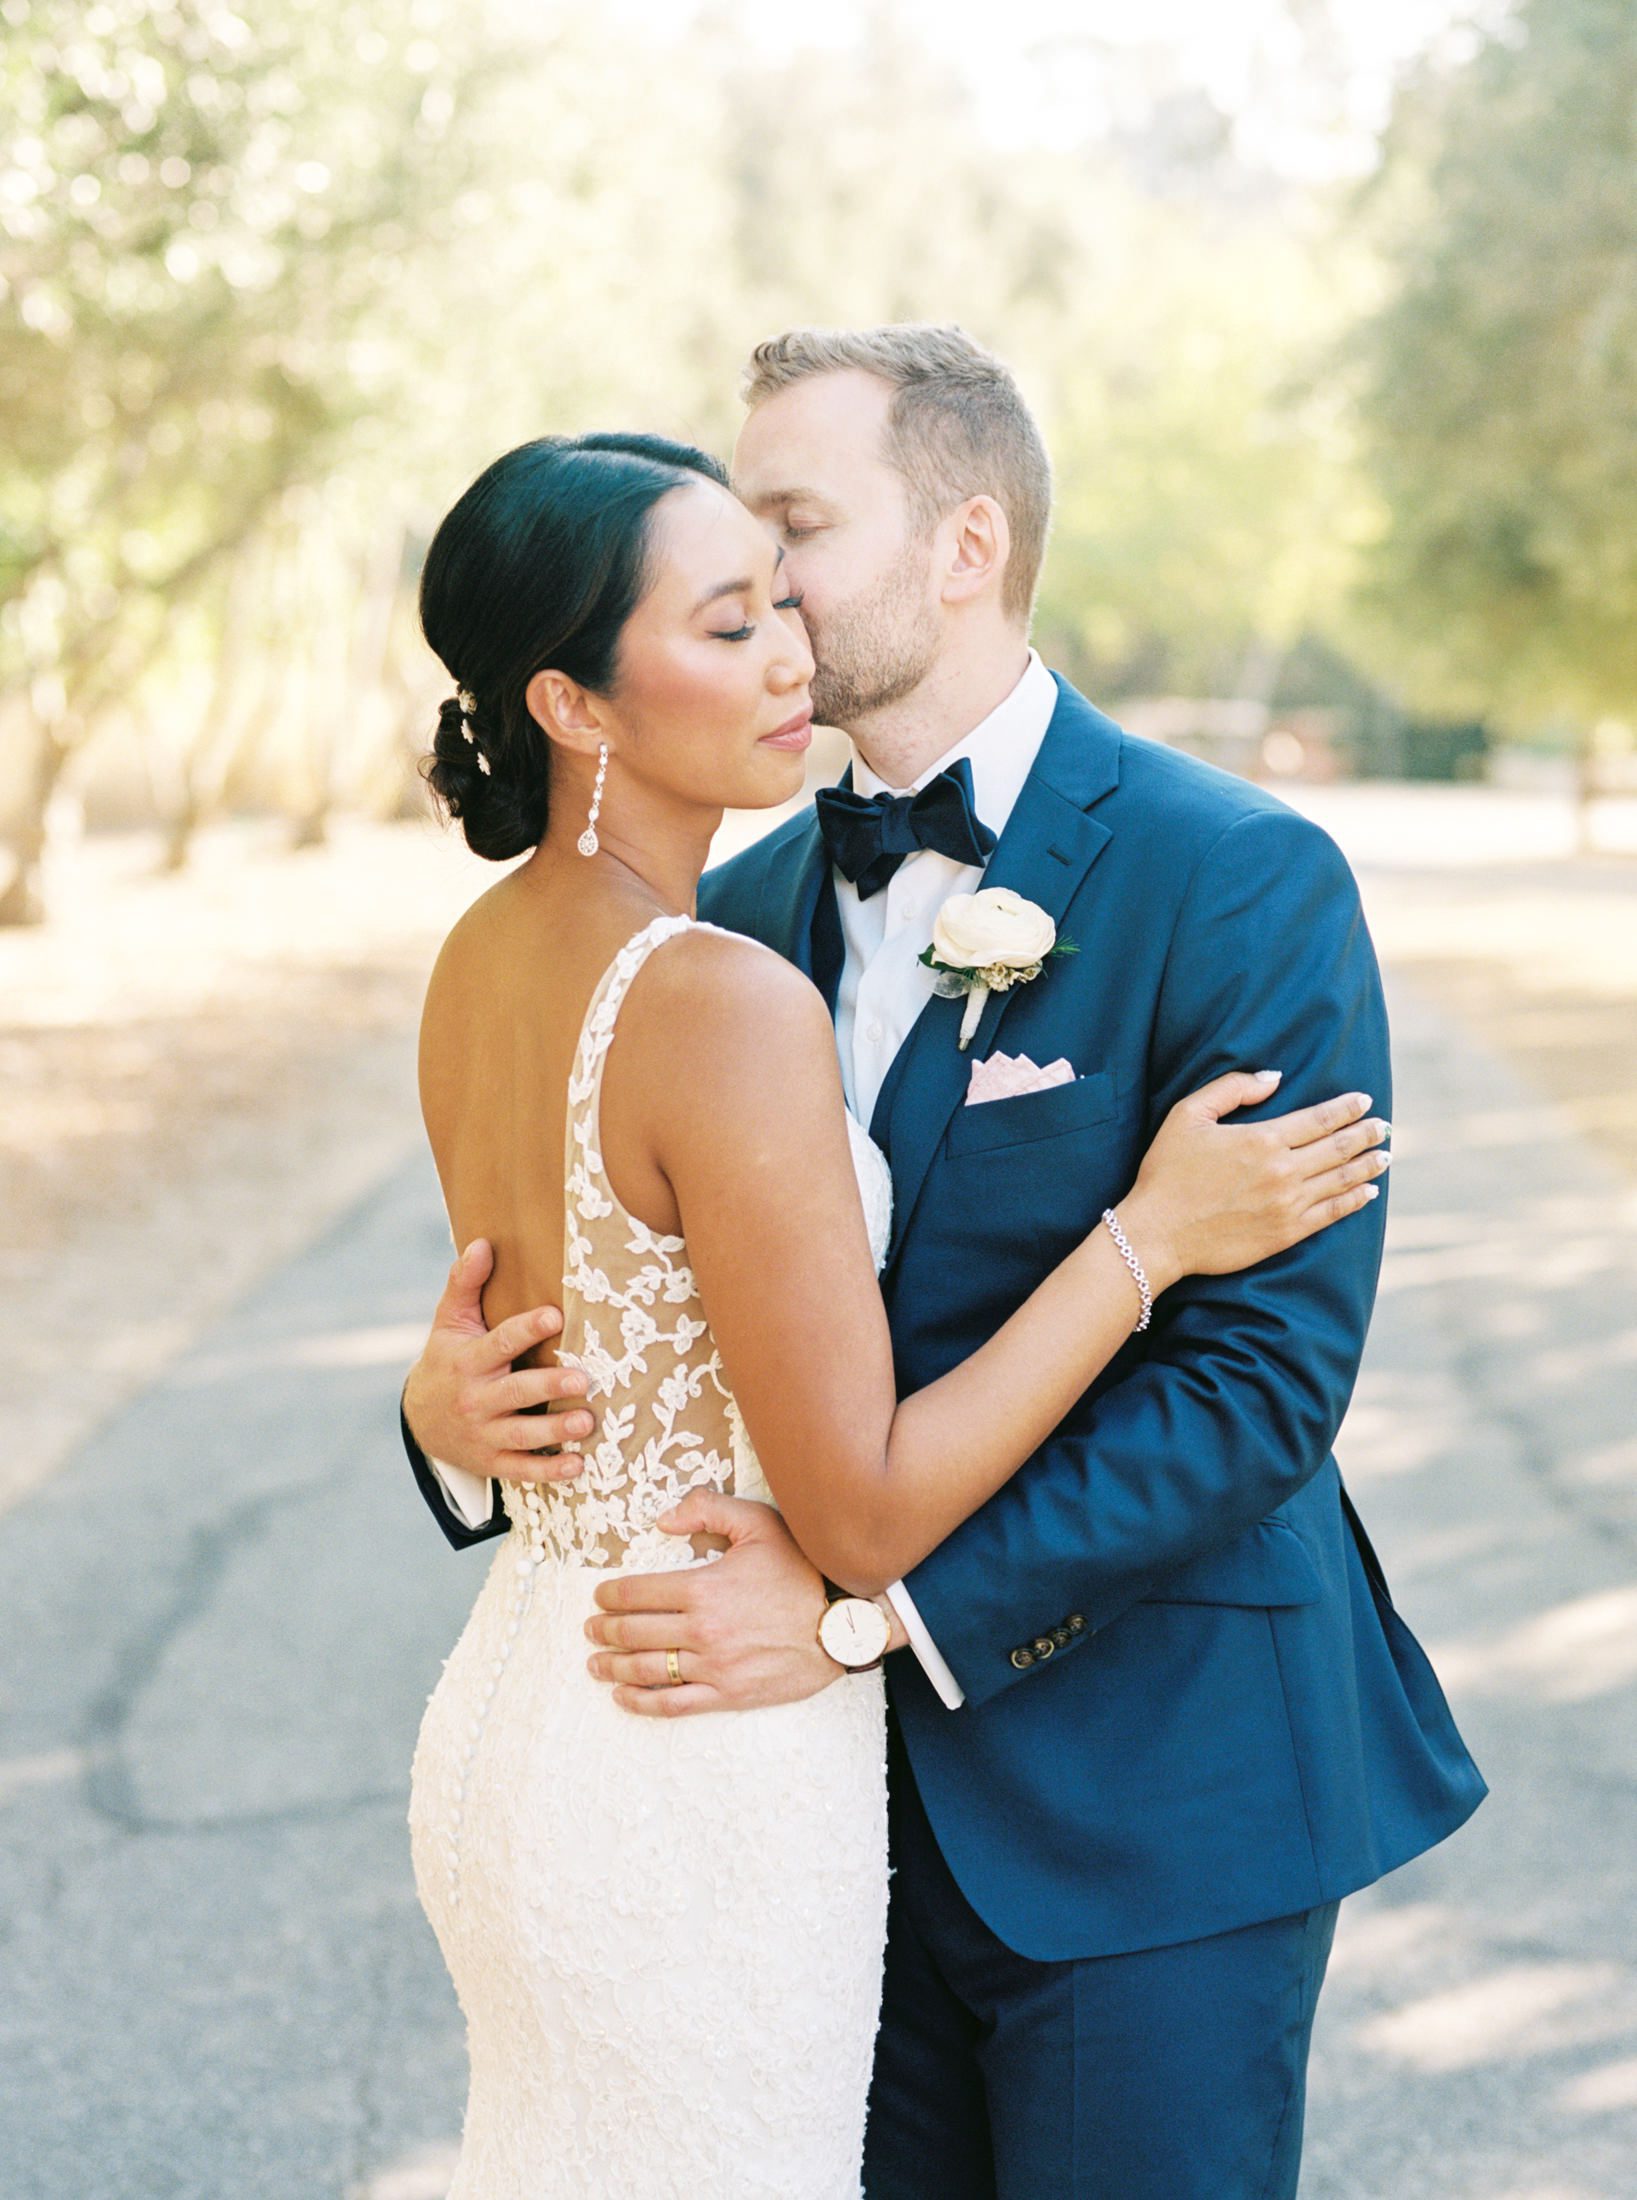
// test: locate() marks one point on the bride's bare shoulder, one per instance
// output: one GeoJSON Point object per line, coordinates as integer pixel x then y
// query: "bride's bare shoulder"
{"type": "Point", "coordinates": [485, 936]}
{"type": "Point", "coordinates": [713, 1000]}
{"type": "Point", "coordinates": [728, 1081]}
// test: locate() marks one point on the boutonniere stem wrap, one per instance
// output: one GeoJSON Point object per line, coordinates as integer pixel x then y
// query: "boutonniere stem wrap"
{"type": "Point", "coordinates": [986, 943]}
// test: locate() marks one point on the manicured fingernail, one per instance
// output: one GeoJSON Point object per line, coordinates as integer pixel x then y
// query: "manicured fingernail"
{"type": "Point", "coordinates": [1361, 1100]}
{"type": "Point", "coordinates": [1269, 1076]}
{"type": "Point", "coordinates": [579, 1424]}
{"type": "Point", "coordinates": [548, 1319]}
{"type": "Point", "coordinates": [1372, 1191]}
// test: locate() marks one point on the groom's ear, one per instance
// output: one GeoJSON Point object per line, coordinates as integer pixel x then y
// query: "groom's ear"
{"type": "Point", "coordinates": [979, 544]}
{"type": "Point", "coordinates": [565, 711]}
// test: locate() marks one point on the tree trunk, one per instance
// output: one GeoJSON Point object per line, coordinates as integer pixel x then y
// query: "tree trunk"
{"type": "Point", "coordinates": [1585, 791]}
{"type": "Point", "coordinates": [21, 900]}
{"type": "Point", "coordinates": [207, 764]}
{"type": "Point", "coordinates": [181, 825]}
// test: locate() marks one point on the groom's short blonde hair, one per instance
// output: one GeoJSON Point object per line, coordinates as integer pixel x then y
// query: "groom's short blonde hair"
{"type": "Point", "coordinates": [958, 426]}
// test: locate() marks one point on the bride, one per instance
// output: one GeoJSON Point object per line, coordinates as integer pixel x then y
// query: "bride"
{"type": "Point", "coordinates": [666, 1935]}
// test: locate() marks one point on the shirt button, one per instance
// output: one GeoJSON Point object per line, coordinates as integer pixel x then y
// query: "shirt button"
{"type": "Point", "coordinates": [874, 1034]}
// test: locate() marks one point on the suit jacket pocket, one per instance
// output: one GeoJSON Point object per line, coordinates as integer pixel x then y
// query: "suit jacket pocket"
{"type": "Point", "coordinates": [1030, 1115]}
{"type": "Point", "coordinates": [1271, 1564]}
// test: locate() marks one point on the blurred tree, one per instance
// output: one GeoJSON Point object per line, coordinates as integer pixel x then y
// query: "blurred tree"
{"type": "Point", "coordinates": [1163, 309]}
{"type": "Point", "coordinates": [1500, 377]}
{"type": "Point", "coordinates": [272, 290]}
{"type": "Point", "coordinates": [198, 214]}
{"type": "Point", "coordinates": [1206, 501]}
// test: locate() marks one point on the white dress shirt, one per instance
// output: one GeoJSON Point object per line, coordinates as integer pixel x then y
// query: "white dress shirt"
{"type": "Point", "coordinates": [885, 986]}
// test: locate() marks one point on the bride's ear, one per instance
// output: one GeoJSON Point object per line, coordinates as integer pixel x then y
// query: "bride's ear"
{"type": "Point", "coordinates": [565, 711]}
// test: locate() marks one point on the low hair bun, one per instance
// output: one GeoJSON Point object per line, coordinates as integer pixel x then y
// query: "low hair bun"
{"type": "Point", "coordinates": [500, 817]}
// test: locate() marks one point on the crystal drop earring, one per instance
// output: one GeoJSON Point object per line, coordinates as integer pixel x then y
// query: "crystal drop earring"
{"type": "Point", "coordinates": [588, 842]}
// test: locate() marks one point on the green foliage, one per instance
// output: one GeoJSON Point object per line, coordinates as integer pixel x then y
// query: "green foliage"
{"type": "Point", "coordinates": [273, 286]}
{"type": "Point", "coordinates": [1500, 377]}
{"type": "Point", "coordinates": [363, 247]}
{"type": "Point", "coordinates": [199, 215]}
{"type": "Point", "coordinates": [1205, 500]}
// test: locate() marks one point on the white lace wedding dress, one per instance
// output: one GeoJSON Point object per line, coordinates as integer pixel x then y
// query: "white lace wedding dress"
{"type": "Point", "coordinates": [666, 1935]}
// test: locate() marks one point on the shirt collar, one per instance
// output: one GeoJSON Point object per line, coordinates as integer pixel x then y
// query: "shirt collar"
{"type": "Point", "coordinates": [1001, 749]}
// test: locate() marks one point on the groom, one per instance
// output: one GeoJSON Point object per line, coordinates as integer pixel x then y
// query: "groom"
{"type": "Point", "coordinates": [1155, 1712]}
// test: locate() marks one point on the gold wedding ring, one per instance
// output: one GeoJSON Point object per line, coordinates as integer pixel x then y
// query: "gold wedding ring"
{"type": "Point", "coordinates": [673, 1666]}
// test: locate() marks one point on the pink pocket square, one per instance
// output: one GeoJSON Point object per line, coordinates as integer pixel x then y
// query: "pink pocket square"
{"type": "Point", "coordinates": [1004, 1076]}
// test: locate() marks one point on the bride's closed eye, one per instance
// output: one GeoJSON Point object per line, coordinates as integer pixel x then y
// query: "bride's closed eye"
{"type": "Point", "coordinates": [743, 633]}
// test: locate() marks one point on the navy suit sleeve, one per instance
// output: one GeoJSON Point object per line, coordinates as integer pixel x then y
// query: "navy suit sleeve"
{"type": "Point", "coordinates": [1246, 1377]}
{"type": "Point", "coordinates": [456, 1529]}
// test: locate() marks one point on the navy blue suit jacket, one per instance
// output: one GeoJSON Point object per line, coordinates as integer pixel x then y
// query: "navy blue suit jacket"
{"type": "Point", "coordinates": [1190, 1703]}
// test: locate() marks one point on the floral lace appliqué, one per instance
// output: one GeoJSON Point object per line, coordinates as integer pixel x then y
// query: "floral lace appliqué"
{"type": "Point", "coordinates": [632, 1320]}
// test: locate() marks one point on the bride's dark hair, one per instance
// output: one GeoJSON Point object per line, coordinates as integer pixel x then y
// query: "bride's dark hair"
{"type": "Point", "coordinates": [538, 566]}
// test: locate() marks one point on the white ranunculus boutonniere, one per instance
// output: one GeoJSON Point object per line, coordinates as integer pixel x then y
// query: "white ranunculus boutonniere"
{"type": "Point", "coordinates": [987, 942]}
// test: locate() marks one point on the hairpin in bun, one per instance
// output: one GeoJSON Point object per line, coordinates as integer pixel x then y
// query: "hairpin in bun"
{"type": "Point", "coordinates": [466, 704]}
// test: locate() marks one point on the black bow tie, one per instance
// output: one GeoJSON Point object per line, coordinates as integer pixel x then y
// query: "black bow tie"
{"type": "Point", "coordinates": [868, 836]}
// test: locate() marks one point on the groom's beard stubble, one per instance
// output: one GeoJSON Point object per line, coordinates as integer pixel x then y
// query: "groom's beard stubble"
{"type": "Point", "coordinates": [875, 649]}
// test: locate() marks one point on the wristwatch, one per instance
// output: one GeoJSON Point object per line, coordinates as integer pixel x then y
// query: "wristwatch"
{"type": "Point", "coordinates": [854, 1631]}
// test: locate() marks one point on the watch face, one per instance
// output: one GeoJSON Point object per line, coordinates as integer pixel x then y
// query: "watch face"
{"type": "Point", "coordinates": [854, 1631]}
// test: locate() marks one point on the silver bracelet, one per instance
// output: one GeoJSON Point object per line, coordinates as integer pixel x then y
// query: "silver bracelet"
{"type": "Point", "coordinates": [1135, 1266]}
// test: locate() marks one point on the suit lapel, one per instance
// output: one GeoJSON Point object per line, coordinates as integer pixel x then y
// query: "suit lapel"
{"type": "Point", "coordinates": [1045, 852]}
{"type": "Point", "coordinates": [798, 913]}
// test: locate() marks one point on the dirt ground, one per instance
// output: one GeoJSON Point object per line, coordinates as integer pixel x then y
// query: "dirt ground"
{"type": "Point", "coordinates": [1479, 898]}
{"type": "Point", "coordinates": [198, 1072]}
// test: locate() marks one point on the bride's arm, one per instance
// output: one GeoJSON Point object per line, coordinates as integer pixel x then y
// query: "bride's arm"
{"type": "Point", "coordinates": [750, 1132]}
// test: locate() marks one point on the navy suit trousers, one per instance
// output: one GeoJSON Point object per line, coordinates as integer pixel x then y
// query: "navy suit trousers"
{"type": "Point", "coordinates": [1172, 2074]}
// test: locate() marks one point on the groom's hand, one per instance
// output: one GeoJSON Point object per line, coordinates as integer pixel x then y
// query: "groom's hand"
{"type": "Point", "coordinates": [464, 1402]}
{"type": "Point", "coordinates": [745, 1629]}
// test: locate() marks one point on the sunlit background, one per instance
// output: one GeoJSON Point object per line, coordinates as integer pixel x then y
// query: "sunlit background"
{"type": "Point", "coordinates": [1329, 311]}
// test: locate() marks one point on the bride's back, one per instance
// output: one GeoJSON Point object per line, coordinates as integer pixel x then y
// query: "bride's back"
{"type": "Point", "coordinates": [632, 1316]}
{"type": "Point", "coordinates": [502, 1016]}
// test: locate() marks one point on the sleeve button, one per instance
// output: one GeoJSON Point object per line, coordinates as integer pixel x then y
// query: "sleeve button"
{"type": "Point", "coordinates": [1044, 1646]}
{"type": "Point", "coordinates": [1022, 1659]}
{"type": "Point", "coordinates": [1076, 1625]}
{"type": "Point", "coordinates": [1061, 1636]}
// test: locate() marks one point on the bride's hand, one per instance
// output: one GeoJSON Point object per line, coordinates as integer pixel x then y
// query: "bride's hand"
{"type": "Point", "coordinates": [1214, 1197]}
